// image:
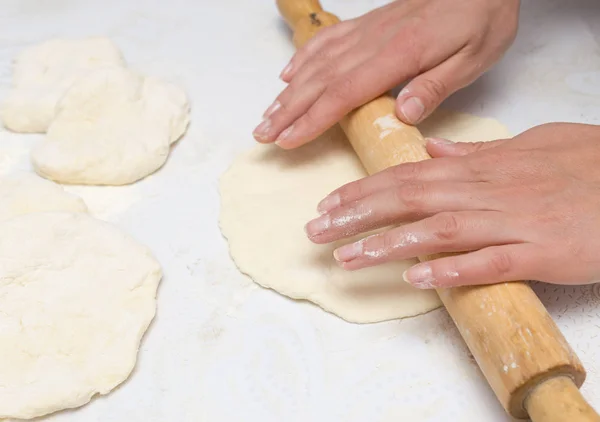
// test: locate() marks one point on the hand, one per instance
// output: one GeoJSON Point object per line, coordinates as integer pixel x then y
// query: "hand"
{"type": "Point", "coordinates": [528, 208]}
{"type": "Point", "coordinates": [441, 45]}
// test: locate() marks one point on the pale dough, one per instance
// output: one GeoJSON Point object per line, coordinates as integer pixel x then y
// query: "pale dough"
{"type": "Point", "coordinates": [24, 193]}
{"type": "Point", "coordinates": [43, 72]}
{"type": "Point", "coordinates": [268, 195]}
{"type": "Point", "coordinates": [112, 127]}
{"type": "Point", "coordinates": [76, 296]}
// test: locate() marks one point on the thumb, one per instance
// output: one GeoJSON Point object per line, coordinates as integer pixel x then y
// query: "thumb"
{"type": "Point", "coordinates": [438, 147]}
{"type": "Point", "coordinates": [426, 92]}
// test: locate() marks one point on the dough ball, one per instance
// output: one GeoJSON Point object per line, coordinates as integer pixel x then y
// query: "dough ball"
{"type": "Point", "coordinates": [24, 193]}
{"type": "Point", "coordinates": [77, 296]}
{"type": "Point", "coordinates": [43, 72]}
{"type": "Point", "coordinates": [112, 127]}
{"type": "Point", "coordinates": [269, 194]}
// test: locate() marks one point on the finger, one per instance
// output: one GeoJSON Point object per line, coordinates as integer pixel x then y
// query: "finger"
{"type": "Point", "coordinates": [494, 264]}
{"type": "Point", "coordinates": [400, 204]}
{"type": "Point", "coordinates": [442, 169]}
{"type": "Point", "coordinates": [305, 89]}
{"type": "Point", "coordinates": [320, 39]}
{"type": "Point", "coordinates": [325, 62]}
{"type": "Point", "coordinates": [350, 90]}
{"type": "Point", "coordinates": [438, 147]}
{"type": "Point", "coordinates": [443, 233]}
{"type": "Point", "coordinates": [426, 92]}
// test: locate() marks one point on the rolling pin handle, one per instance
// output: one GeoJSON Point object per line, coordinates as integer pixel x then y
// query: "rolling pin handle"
{"type": "Point", "coordinates": [559, 400]}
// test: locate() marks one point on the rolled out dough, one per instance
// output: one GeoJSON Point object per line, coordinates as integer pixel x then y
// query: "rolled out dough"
{"type": "Point", "coordinates": [268, 195]}
{"type": "Point", "coordinates": [76, 296]}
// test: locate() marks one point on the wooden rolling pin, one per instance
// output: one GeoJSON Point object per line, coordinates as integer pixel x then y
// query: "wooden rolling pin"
{"type": "Point", "coordinates": [523, 355]}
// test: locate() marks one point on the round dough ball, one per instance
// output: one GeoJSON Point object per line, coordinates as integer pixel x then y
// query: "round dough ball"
{"type": "Point", "coordinates": [76, 296]}
{"type": "Point", "coordinates": [112, 127]}
{"type": "Point", "coordinates": [269, 194]}
{"type": "Point", "coordinates": [43, 72]}
{"type": "Point", "coordinates": [24, 193]}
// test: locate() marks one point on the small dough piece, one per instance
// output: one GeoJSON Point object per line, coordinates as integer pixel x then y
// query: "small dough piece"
{"type": "Point", "coordinates": [269, 194]}
{"type": "Point", "coordinates": [43, 72]}
{"type": "Point", "coordinates": [77, 295]}
{"type": "Point", "coordinates": [24, 193]}
{"type": "Point", "coordinates": [112, 127]}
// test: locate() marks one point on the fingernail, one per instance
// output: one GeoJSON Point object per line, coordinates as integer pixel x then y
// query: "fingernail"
{"type": "Point", "coordinates": [329, 203]}
{"type": "Point", "coordinates": [318, 226]}
{"type": "Point", "coordinates": [420, 276]}
{"type": "Point", "coordinates": [404, 92]}
{"type": "Point", "coordinates": [284, 135]}
{"type": "Point", "coordinates": [413, 109]}
{"type": "Point", "coordinates": [440, 141]}
{"type": "Point", "coordinates": [348, 252]}
{"type": "Point", "coordinates": [272, 109]}
{"type": "Point", "coordinates": [262, 129]}
{"type": "Point", "coordinates": [286, 70]}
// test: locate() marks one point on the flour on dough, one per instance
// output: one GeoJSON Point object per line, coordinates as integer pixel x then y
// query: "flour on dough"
{"type": "Point", "coordinates": [268, 195]}
{"type": "Point", "coordinates": [43, 72]}
{"type": "Point", "coordinates": [112, 127]}
{"type": "Point", "coordinates": [77, 295]}
{"type": "Point", "coordinates": [24, 193]}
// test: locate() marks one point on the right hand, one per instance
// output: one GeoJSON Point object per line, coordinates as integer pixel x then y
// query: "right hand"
{"type": "Point", "coordinates": [440, 46]}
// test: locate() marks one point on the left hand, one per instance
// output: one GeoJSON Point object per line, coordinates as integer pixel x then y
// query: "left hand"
{"type": "Point", "coordinates": [528, 208]}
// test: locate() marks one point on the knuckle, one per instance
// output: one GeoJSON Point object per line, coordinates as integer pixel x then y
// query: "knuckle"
{"type": "Point", "coordinates": [406, 171]}
{"type": "Point", "coordinates": [435, 88]}
{"type": "Point", "coordinates": [406, 48]}
{"type": "Point", "coordinates": [412, 195]}
{"type": "Point", "coordinates": [446, 226]}
{"type": "Point", "coordinates": [325, 32]}
{"type": "Point", "coordinates": [353, 191]}
{"type": "Point", "coordinates": [287, 94]}
{"type": "Point", "coordinates": [341, 90]}
{"type": "Point", "coordinates": [328, 70]}
{"type": "Point", "coordinates": [285, 103]}
{"type": "Point", "coordinates": [387, 241]}
{"type": "Point", "coordinates": [310, 119]}
{"type": "Point", "coordinates": [501, 263]}
{"type": "Point", "coordinates": [477, 146]}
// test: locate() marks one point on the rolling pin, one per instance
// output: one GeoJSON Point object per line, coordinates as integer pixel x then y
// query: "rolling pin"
{"type": "Point", "coordinates": [523, 355]}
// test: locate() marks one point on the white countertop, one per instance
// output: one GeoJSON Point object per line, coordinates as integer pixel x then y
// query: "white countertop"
{"type": "Point", "coordinates": [222, 349]}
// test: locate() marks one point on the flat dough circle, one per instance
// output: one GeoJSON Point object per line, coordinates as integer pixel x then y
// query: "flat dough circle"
{"type": "Point", "coordinates": [112, 127]}
{"type": "Point", "coordinates": [268, 195]}
{"type": "Point", "coordinates": [24, 193]}
{"type": "Point", "coordinates": [43, 72]}
{"type": "Point", "coordinates": [76, 296]}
